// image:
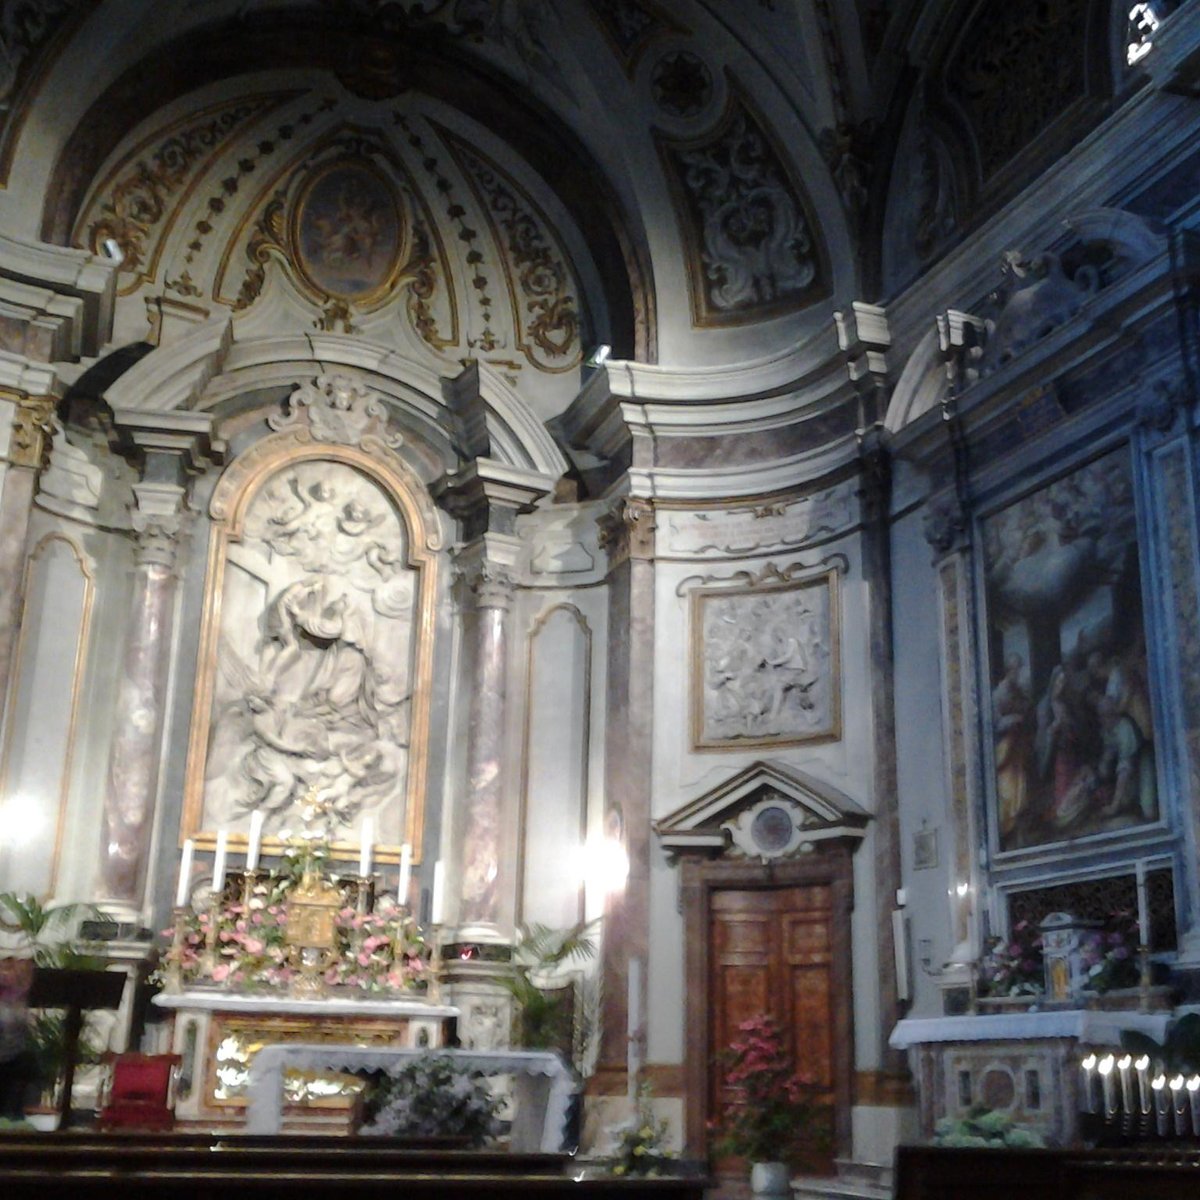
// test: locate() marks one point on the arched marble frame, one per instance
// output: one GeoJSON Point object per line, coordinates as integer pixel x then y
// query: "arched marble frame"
{"type": "Point", "coordinates": [231, 499]}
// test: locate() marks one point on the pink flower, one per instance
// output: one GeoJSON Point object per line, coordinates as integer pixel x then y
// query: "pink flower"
{"type": "Point", "coordinates": [220, 972]}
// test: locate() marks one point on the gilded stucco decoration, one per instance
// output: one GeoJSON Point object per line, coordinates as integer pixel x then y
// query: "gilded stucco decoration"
{"type": "Point", "coordinates": [316, 650]}
{"type": "Point", "coordinates": [766, 661]}
{"type": "Point", "coordinates": [753, 249]}
{"type": "Point", "coordinates": [542, 293]}
{"type": "Point", "coordinates": [137, 201]}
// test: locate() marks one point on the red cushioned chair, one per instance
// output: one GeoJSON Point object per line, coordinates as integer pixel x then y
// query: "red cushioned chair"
{"type": "Point", "coordinates": [140, 1092]}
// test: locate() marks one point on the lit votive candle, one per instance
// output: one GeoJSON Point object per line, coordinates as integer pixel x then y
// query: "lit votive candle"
{"type": "Point", "coordinates": [1158, 1085]}
{"type": "Point", "coordinates": [1105, 1067]}
{"type": "Point", "coordinates": [1142, 1067]}
{"type": "Point", "coordinates": [1177, 1104]}
{"type": "Point", "coordinates": [1193, 1091]}
{"type": "Point", "coordinates": [1087, 1068]}
{"type": "Point", "coordinates": [1125, 1067]}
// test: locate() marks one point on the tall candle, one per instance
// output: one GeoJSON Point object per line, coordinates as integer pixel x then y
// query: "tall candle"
{"type": "Point", "coordinates": [1177, 1104]}
{"type": "Point", "coordinates": [219, 863]}
{"type": "Point", "coordinates": [439, 894]}
{"type": "Point", "coordinates": [1193, 1088]}
{"type": "Point", "coordinates": [405, 873]}
{"type": "Point", "coordinates": [1124, 1065]}
{"type": "Point", "coordinates": [254, 849]}
{"type": "Point", "coordinates": [365, 847]}
{"type": "Point", "coordinates": [1143, 907]}
{"type": "Point", "coordinates": [1087, 1066]}
{"type": "Point", "coordinates": [634, 1019]}
{"type": "Point", "coordinates": [1105, 1067]}
{"type": "Point", "coordinates": [185, 873]}
{"type": "Point", "coordinates": [1158, 1085]}
{"type": "Point", "coordinates": [1142, 1067]}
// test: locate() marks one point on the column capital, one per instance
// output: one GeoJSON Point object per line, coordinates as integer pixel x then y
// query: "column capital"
{"type": "Point", "coordinates": [627, 530]}
{"type": "Point", "coordinates": [488, 580]}
{"type": "Point", "coordinates": [32, 428]}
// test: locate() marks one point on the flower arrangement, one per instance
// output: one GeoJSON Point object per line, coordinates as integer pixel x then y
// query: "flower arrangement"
{"type": "Point", "coordinates": [774, 1113]}
{"type": "Point", "coordinates": [641, 1148]}
{"type": "Point", "coordinates": [980, 1126]}
{"type": "Point", "coordinates": [431, 1096]}
{"type": "Point", "coordinates": [1110, 955]}
{"type": "Point", "coordinates": [1013, 966]}
{"type": "Point", "coordinates": [375, 951]}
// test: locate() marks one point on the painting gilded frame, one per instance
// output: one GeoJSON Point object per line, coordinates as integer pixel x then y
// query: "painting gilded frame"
{"type": "Point", "coordinates": [231, 499]}
{"type": "Point", "coordinates": [740, 703]}
{"type": "Point", "coordinates": [1071, 744]}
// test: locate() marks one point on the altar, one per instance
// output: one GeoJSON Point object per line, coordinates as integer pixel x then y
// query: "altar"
{"type": "Point", "coordinates": [219, 1033]}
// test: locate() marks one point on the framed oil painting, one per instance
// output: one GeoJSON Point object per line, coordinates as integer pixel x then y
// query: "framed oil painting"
{"type": "Point", "coordinates": [348, 232]}
{"type": "Point", "coordinates": [765, 664]}
{"type": "Point", "coordinates": [1072, 751]}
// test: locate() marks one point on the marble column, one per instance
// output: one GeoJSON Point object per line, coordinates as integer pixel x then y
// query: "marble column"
{"type": "Point", "coordinates": [28, 444]}
{"type": "Point", "coordinates": [490, 587]}
{"type": "Point", "coordinates": [133, 765]}
{"type": "Point", "coordinates": [628, 536]}
{"type": "Point", "coordinates": [168, 447]}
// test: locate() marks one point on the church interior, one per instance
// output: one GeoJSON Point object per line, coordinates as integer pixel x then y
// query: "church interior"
{"type": "Point", "coordinates": [798, 399]}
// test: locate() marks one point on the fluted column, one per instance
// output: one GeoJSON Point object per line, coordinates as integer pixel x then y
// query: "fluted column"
{"type": "Point", "coordinates": [490, 590]}
{"type": "Point", "coordinates": [168, 446]}
{"type": "Point", "coordinates": [28, 443]}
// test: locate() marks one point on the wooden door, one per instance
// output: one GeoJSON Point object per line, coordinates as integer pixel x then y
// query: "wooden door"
{"type": "Point", "coordinates": [771, 951]}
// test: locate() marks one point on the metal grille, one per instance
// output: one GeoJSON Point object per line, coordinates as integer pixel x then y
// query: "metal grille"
{"type": "Point", "coordinates": [1100, 899]}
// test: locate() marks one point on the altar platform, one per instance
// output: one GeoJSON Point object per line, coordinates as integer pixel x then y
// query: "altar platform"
{"type": "Point", "coordinates": [84, 1165]}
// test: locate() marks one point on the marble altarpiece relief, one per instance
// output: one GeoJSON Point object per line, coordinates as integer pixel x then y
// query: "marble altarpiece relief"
{"type": "Point", "coordinates": [314, 675]}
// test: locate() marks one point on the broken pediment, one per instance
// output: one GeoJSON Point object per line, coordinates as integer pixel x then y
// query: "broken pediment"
{"type": "Point", "coordinates": [765, 811]}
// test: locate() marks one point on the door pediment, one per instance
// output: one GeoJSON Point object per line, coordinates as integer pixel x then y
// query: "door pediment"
{"type": "Point", "coordinates": [766, 811]}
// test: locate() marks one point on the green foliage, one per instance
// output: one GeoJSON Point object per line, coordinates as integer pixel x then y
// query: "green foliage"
{"type": "Point", "coordinates": [431, 1096]}
{"type": "Point", "coordinates": [983, 1127]}
{"type": "Point", "coordinates": [641, 1149]}
{"type": "Point", "coordinates": [545, 1014]}
{"type": "Point", "coordinates": [46, 930]}
{"type": "Point", "coordinates": [1179, 1052]}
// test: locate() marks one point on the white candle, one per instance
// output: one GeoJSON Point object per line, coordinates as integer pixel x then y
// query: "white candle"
{"type": "Point", "coordinates": [1105, 1067]}
{"type": "Point", "coordinates": [185, 873]}
{"type": "Point", "coordinates": [1123, 1065]}
{"type": "Point", "coordinates": [633, 1010]}
{"type": "Point", "coordinates": [405, 873]}
{"type": "Point", "coordinates": [1158, 1085]}
{"type": "Point", "coordinates": [1142, 1067]}
{"type": "Point", "coordinates": [1176, 1086]}
{"type": "Point", "coordinates": [1193, 1088]}
{"type": "Point", "coordinates": [218, 883]}
{"type": "Point", "coordinates": [365, 847]}
{"type": "Point", "coordinates": [439, 894]}
{"type": "Point", "coordinates": [1143, 907]}
{"type": "Point", "coordinates": [254, 849]}
{"type": "Point", "coordinates": [1087, 1066]}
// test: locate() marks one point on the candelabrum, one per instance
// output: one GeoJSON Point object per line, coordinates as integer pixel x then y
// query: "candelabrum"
{"type": "Point", "coordinates": [250, 880]}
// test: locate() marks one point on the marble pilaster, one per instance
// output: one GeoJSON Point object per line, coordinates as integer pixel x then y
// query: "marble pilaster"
{"type": "Point", "coordinates": [28, 444]}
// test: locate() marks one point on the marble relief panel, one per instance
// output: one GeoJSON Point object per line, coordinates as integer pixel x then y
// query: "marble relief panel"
{"type": "Point", "coordinates": [765, 663]}
{"type": "Point", "coordinates": [314, 657]}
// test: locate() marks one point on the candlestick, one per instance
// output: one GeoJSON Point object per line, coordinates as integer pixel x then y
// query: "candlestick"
{"type": "Point", "coordinates": [185, 873]}
{"type": "Point", "coordinates": [1158, 1085]}
{"type": "Point", "coordinates": [1193, 1090]}
{"type": "Point", "coordinates": [1142, 1067]}
{"type": "Point", "coordinates": [405, 874]}
{"type": "Point", "coordinates": [1125, 1065]}
{"type": "Point", "coordinates": [218, 883]}
{"type": "Point", "coordinates": [254, 849]}
{"type": "Point", "coordinates": [1143, 907]}
{"type": "Point", "coordinates": [1105, 1067]}
{"type": "Point", "coordinates": [438, 899]}
{"type": "Point", "coordinates": [1087, 1066]}
{"type": "Point", "coordinates": [365, 847]}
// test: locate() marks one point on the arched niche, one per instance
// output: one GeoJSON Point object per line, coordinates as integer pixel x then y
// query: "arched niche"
{"type": "Point", "coordinates": [316, 648]}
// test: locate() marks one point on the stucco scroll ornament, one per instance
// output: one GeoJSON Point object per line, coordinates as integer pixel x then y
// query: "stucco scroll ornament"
{"type": "Point", "coordinates": [336, 408]}
{"type": "Point", "coordinates": [756, 246]}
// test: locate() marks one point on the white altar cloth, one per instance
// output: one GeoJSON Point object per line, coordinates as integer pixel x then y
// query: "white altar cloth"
{"type": "Point", "coordinates": [543, 1085]}
{"type": "Point", "coordinates": [217, 1000]}
{"type": "Point", "coordinates": [1089, 1026]}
